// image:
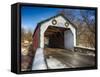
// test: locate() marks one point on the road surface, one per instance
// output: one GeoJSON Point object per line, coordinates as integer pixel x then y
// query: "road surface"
{"type": "Point", "coordinates": [69, 58]}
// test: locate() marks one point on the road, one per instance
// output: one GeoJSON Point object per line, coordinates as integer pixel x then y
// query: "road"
{"type": "Point", "coordinates": [69, 58]}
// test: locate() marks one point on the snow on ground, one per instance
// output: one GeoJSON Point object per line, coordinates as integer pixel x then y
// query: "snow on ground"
{"type": "Point", "coordinates": [84, 51]}
{"type": "Point", "coordinates": [53, 63]}
{"type": "Point", "coordinates": [38, 61]}
{"type": "Point", "coordinates": [24, 51]}
{"type": "Point", "coordinates": [40, 64]}
{"type": "Point", "coordinates": [80, 46]}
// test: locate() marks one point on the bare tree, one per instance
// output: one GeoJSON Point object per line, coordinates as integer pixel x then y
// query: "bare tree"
{"type": "Point", "coordinates": [84, 20]}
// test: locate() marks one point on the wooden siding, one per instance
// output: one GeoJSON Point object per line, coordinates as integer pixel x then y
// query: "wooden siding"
{"type": "Point", "coordinates": [36, 39]}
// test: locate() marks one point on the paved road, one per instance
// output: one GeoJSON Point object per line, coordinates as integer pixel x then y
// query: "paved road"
{"type": "Point", "coordinates": [71, 59]}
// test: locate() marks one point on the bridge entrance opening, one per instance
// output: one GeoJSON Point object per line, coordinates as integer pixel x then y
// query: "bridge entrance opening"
{"type": "Point", "coordinates": [58, 37]}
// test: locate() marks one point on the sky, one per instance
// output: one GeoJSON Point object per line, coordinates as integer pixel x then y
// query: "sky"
{"type": "Point", "coordinates": [30, 16]}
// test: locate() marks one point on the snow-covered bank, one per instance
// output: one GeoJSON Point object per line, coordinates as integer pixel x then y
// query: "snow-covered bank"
{"type": "Point", "coordinates": [85, 47]}
{"type": "Point", "coordinates": [39, 62]}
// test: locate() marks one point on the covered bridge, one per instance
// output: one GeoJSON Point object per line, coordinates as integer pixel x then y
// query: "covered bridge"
{"type": "Point", "coordinates": [55, 32]}
{"type": "Point", "coordinates": [55, 38]}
